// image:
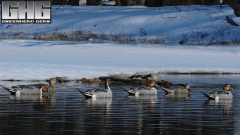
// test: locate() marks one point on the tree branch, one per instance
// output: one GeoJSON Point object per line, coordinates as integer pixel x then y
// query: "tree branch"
{"type": "Point", "coordinates": [235, 6]}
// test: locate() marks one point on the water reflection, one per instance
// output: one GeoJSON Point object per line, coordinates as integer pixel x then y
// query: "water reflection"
{"type": "Point", "coordinates": [26, 98]}
{"type": "Point", "coordinates": [224, 105]}
{"type": "Point", "coordinates": [98, 102]}
{"type": "Point", "coordinates": [143, 98]}
{"type": "Point", "coordinates": [176, 97]}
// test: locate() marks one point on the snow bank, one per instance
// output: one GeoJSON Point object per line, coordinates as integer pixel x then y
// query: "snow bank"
{"type": "Point", "coordinates": [21, 59]}
{"type": "Point", "coordinates": [41, 60]}
{"type": "Point", "coordinates": [170, 24]}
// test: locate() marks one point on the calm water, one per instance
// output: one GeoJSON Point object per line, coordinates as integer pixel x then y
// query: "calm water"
{"type": "Point", "coordinates": [67, 111]}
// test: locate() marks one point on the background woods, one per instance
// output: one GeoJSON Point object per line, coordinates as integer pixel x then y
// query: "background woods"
{"type": "Point", "coordinates": [235, 4]}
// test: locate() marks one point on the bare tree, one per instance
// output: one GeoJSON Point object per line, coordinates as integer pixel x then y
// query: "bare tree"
{"type": "Point", "coordinates": [235, 6]}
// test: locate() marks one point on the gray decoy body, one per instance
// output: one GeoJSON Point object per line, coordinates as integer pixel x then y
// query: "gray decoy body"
{"type": "Point", "coordinates": [178, 88]}
{"type": "Point", "coordinates": [32, 89]}
{"type": "Point", "coordinates": [95, 93]}
{"type": "Point", "coordinates": [143, 90]}
{"type": "Point", "coordinates": [224, 94]}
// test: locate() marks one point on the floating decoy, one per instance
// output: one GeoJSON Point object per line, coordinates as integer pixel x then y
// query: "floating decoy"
{"type": "Point", "coordinates": [92, 93]}
{"type": "Point", "coordinates": [32, 89]}
{"type": "Point", "coordinates": [143, 90]}
{"type": "Point", "coordinates": [177, 88]}
{"type": "Point", "coordinates": [220, 94]}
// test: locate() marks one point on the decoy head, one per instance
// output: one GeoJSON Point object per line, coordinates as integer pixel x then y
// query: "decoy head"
{"type": "Point", "coordinates": [52, 81]}
{"type": "Point", "coordinates": [187, 85]}
{"type": "Point", "coordinates": [152, 84]}
{"type": "Point", "coordinates": [227, 87]}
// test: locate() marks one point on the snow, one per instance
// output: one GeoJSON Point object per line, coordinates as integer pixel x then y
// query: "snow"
{"type": "Point", "coordinates": [27, 60]}
{"type": "Point", "coordinates": [38, 60]}
{"type": "Point", "coordinates": [169, 23]}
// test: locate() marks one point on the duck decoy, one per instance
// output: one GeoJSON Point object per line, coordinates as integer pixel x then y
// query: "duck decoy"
{"type": "Point", "coordinates": [32, 89]}
{"type": "Point", "coordinates": [97, 92]}
{"type": "Point", "coordinates": [143, 90]}
{"type": "Point", "coordinates": [220, 94]}
{"type": "Point", "coordinates": [177, 88]}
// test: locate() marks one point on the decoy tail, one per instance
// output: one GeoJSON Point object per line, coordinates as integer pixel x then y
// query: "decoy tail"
{"type": "Point", "coordinates": [12, 91]}
{"type": "Point", "coordinates": [80, 91]}
{"type": "Point", "coordinates": [8, 89]}
{"type": "Point", "coordinates": [130, 92]}
{"type": "Point", "coordinates": [166, 90]}
{"type": "Point", "coordinates": [124, 89]}
{"type": "Point", "coordinates": [210, 98]}
{"type": "Point", "coordinates": [86, 94]}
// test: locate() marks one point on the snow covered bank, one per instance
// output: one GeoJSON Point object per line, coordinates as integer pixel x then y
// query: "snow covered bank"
{"type": "Point", "coordinates": [198, 24]}
{"type": "Point", "coordinates": [41, 60]}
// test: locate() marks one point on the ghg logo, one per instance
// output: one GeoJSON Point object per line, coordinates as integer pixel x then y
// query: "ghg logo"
{"type": "Point", "coordinates": [26, 12]}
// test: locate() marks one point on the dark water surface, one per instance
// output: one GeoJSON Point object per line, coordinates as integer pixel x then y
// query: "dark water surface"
{"type": "Point", "coordinates": [67, 111]}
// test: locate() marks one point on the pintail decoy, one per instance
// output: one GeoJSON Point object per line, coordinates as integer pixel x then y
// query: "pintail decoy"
{"type": "Point", "coordinates": [97, 92]}
{"type": "Point", "coordinates": [32, 89]}
{"type": "Point", "coordinates": [220, 94]}
{"type": "Point", "coordinates": [143, 90]}
{"type": "Point", "coordinates": [177, 88]}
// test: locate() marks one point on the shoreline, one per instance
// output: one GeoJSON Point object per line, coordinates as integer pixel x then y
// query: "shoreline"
{"type": "Point", "coordinates": [158, 74]}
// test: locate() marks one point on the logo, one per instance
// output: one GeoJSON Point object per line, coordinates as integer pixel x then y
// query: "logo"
{"type": "Point", "coordinates": [26, 12]}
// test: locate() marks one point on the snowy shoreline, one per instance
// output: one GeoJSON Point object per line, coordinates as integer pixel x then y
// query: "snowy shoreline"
{"type": "Point", "coordinates": [158, 74]}
{"type": "Point", "coordinates": [190, 25]}
{"type": "Point", "coordinates": [38, 60]}
{"type": "Point", "coordinates": [146, 42]}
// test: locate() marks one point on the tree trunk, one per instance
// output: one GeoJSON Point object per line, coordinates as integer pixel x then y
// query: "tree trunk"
{"type": "Point", "coordinates": [73, 2]}
{"type": "Point", "coordinates": [235, 6]}
{"type": "Point", "coordinates": [118, 3]}
{"type": "Point", "coordinates": [59, 2]}
{"type": "Point", "coordinates": [154, 3]}
{"type": "Point", "coordinates": [91, 2]}
{"type": "Point", "coordinates": [211, 2]}
{"type": "Point", "coordinates": [198, 2]}
{"type": "Point", "coordinates": [124, 2]}
{"type": "Point", "coordinates": [99, 2]}
{"type": "Point", "coordinates": [121, 2]}
{"type": "Point", "coordinates": [140, 2]}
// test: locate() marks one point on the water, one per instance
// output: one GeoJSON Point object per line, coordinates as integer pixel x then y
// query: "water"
{"type": "Point", "coordinates": [67, 111]}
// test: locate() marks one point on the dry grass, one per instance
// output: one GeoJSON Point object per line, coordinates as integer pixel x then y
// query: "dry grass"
{"type": "Point", "coordinates": [195, 38]}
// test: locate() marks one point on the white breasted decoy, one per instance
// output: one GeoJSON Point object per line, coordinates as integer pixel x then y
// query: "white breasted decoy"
{"type": "Point", "coordinates": [92, 93]}
{"type": "Point", "coordinates": [143, 90]}
{"type": "Point", "coordinates": [220, 94]}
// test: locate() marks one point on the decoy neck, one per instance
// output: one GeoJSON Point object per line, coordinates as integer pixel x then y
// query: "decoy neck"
{"type": "Point", "coordinates": [107, 83]}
